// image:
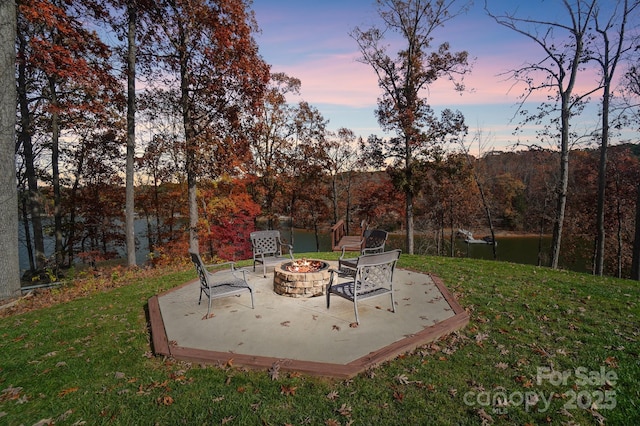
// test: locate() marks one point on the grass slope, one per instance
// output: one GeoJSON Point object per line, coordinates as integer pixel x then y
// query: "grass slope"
{"type": "Point", "coordinates": [542, 347]}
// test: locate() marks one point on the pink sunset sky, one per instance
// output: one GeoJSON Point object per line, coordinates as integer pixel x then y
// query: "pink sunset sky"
{"type": "Point", "coordinates": [310, 40]}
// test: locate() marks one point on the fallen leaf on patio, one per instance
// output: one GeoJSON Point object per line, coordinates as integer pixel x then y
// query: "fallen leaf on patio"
{"type": "Point", "coordinates": [258, 316]}
{"type": "Point", "coordinates": [353, 325]}
{"type": "Point", "coordinates": [288, 390]}
{"type": "Point", "coordinates": [211, 315]}
{"type": "Point", "coordinates": [335, 327]}
{"type": "Point", "coordinates": [378, 307]}
{"type": "Point", "coordinates": [285, 323]}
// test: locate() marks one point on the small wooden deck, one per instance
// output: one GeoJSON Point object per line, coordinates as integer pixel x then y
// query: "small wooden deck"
{"type": "Point", "coordinates": [339, 238]}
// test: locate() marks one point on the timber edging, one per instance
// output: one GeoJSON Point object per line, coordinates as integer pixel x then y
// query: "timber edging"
{"type": "Point", "coordinates": [162, 346]}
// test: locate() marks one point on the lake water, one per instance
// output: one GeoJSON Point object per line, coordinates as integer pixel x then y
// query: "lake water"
{"type": "Point", "coordinates": [511, 249]}
{"type": "Point", "coordinates": [516, 249]}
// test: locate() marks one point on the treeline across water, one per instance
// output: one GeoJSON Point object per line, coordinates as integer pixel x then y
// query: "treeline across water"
{"type": "Point", "coordinates": [517, 186]}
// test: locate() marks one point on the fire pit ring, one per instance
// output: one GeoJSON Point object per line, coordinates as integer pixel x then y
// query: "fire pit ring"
{"type": "Point", "coordinates": [301, 278]}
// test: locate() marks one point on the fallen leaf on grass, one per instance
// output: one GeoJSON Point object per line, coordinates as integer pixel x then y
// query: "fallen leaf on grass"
{"type": "Point", "coordinates": [345, 410]}
{"type": "Point", "coordinates": [10, 393]}
{"type": "Point", "coordinates": [288, 390]}
{"type": "Point", "coordinates": [333, 395]}
{"type": "Point", "coordinates": [67, 391]}
{"type": "Point", "coordinates": [165, 400]}
{"type": "Point", "coordinates": [401, 378]}
{"type": "Point", "coordinates": [274, 371]}
{"type": "Point", "coordinates": [480, 337]}
{"type": "Point", "coordinates": [486, 418]}
{"type": "Point", "coordinates": [502, 365]}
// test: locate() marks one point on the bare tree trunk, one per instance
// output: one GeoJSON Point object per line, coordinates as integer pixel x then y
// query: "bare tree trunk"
{"type": "Point", "coordinates": [55, 172]}
{"type": "Point", "coordinates": [9, 261]}
{"type": "Point", "coordinates": [409, 221]}
{"type": "Point", "coordinates": [561, 203]}
{"type": "Point", "coordinates": [131, 137]}
{"type": "Point", "coordinates": [27, 232]}
{"type": "Point", "coordinates": [25, 139]}
{"type": "Point", "coordinates": [602, 184]}
{"type": "Point", "coordinates": [635, 264]}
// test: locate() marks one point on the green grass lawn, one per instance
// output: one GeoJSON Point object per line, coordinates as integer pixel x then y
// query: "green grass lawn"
{"type": "Point", "coordinates": [542, 347]}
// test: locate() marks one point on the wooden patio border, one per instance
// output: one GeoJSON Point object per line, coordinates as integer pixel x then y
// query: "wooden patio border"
{"type": "Point", "coordinates": [162, 346]}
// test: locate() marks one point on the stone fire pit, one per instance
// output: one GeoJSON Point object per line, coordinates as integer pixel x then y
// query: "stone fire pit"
{"type": "Point", "coordinates": [301, 278]}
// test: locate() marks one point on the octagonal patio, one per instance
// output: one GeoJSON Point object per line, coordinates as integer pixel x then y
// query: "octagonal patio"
{"type": "Point", "coordinates": [301, 334]}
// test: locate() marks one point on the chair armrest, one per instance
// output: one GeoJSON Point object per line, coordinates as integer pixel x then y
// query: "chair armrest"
{"type": "Point", "coordinates": [345, 246]}
{"type": "Point", "coordinates": [217, 265]}
{"type": "Point", "coordinates": [378, 249]}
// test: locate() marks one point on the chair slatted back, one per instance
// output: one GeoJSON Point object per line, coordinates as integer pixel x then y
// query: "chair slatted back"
{"type": "Point", "coordinates": [376, 270]}
{"type": "Point", "coordinates": [202, 273]}
{"type": "Point", "coordinates": [375, 238]}
{"type": "Point", "coordinates": [266, 241]}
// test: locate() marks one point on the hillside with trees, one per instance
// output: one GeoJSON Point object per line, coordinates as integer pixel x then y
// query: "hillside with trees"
{"type": "Point", "coordinates": [220, 149]}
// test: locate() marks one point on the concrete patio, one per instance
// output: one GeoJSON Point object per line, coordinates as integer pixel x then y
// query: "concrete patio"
{"type": "Point", "coordinates": [301, 334]}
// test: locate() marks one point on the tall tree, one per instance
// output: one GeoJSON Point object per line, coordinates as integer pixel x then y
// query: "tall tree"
{"type": "Point", "coordinates": [207, 51]}
{"type": "Point", "coordinates": [9, 262]}
{"type": "Point", "coordinates": [403, 78]}
{"type": "Point", "coordinates": [72, 71]}
{"type": "Point", "coordinates": [632, 90]}
{"type": "Point", "coordinates": [132, 14]}
{"type": "Point", "coordinates": [342, 163]}
{"type": "Point", "coordinates": [563, 45]}
{"type": "Point", "coordinates": [272, 141]}
{"type": "Point", "coordinates": [614, 43]}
